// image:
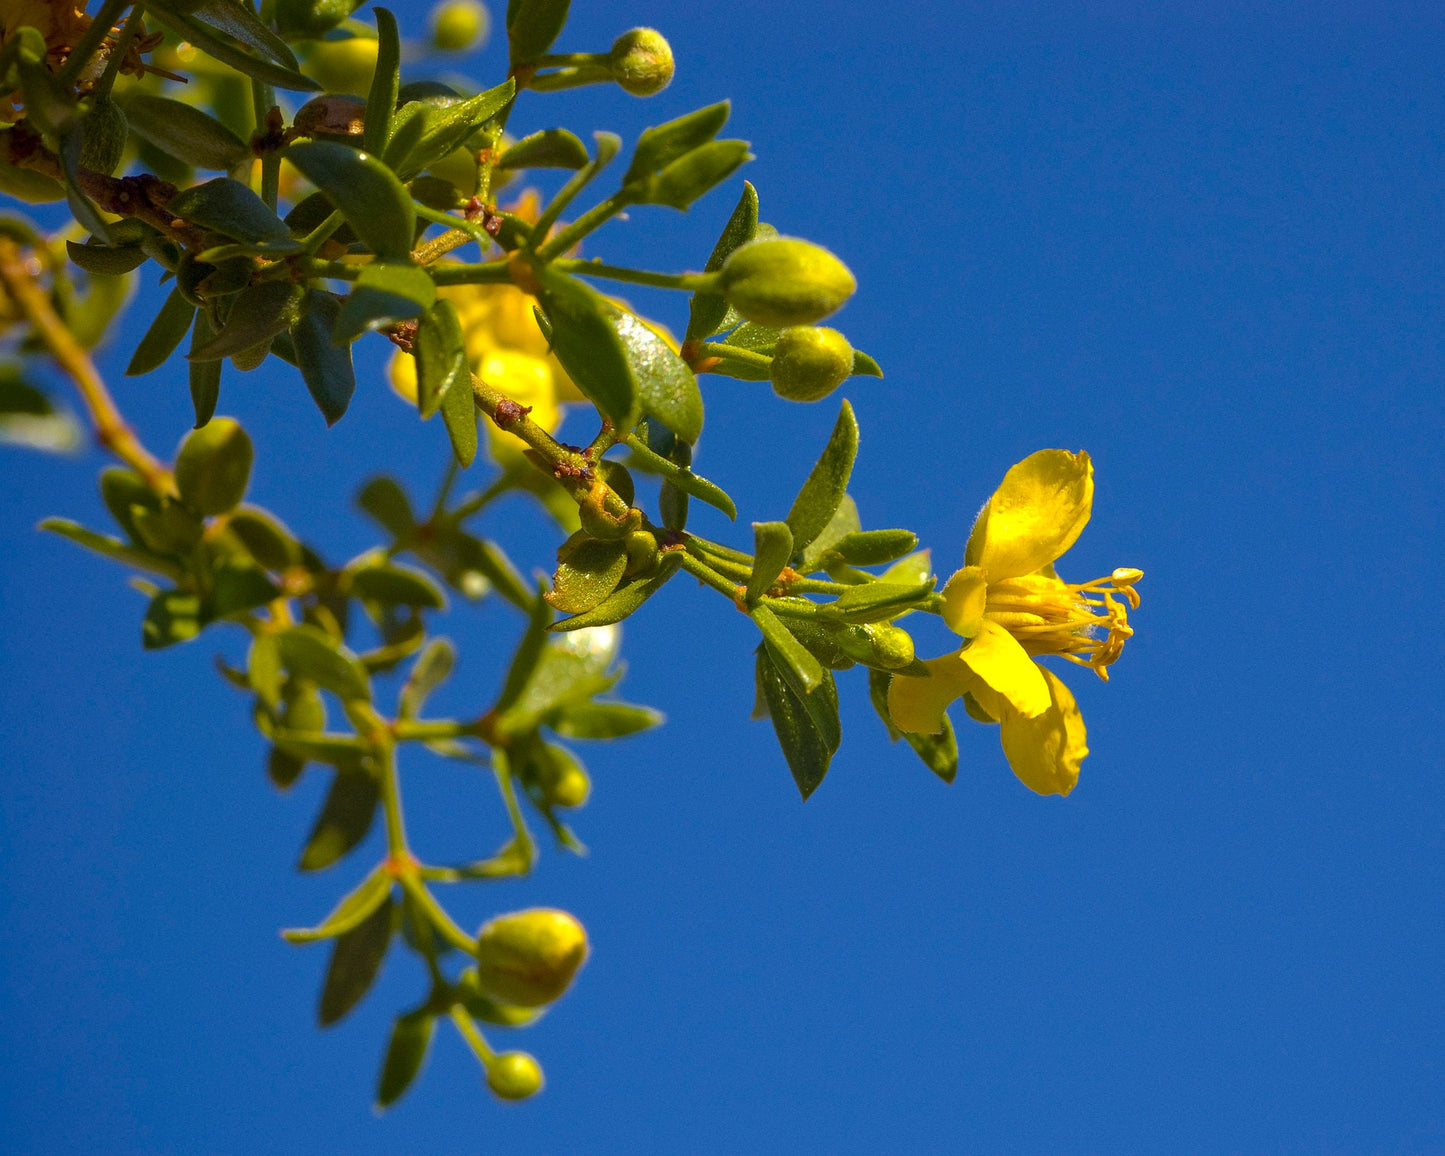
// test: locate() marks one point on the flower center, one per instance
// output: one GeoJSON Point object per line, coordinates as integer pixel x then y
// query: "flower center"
{"type": "Point", "coordinates": [1086, 624]}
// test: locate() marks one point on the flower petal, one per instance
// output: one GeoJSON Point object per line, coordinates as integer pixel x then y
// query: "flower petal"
{"type": "Point", "coordinates": [1036, 514]}
{"type": "Point", "coordinates": [1003, 666]}
{"type": "Point", "coordinates": [916, 704]}
{"type": "Point", "coordinates": [964, 598]}
{"type": "Point", "coordinates": [1045, 752]}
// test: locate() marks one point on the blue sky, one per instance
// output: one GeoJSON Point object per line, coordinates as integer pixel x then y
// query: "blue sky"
{"type": "Point", "coordinates": [1204, 246]}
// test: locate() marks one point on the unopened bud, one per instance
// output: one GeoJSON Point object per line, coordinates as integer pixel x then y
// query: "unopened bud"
{"type": "Point", "coordinates": [514, 1075]}
{"type": "Point", "coordinates": [892, 645]}
{"type": "Point", "coordinates": [641, 62]}
{"type": "Point", "coordinates": [810, 363]}
{"type": "Point", "coordinates": [343, 66]}
{"type": "Point", "coordinates": [213, 466]}
{"type": "Point", "coordinates": [563, 781]}
{"type": "Point", "coordinates": [458, 25]}
{"type": "Point", "coordinates": [528, 958]}
{"type": "Point", "coordinates": [785, 282]}
{"type": "Point", "coordinates": [102, 136]}
{"type": "Point", "coordinates": [642, 553]}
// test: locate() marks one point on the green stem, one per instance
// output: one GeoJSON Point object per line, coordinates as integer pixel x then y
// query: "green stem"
{"type": "Point", "coordinates": [691, 282]}
{"type": "Point", "coordinates": [312, 242]}
{"type": "Point", "coordinates": [263, 99]}
{"type": "Point", "coordinates": [456, 273]}
{"type": "Point", "coordinates": [444, 491]}
{"type": "Point", "coordinates": [473, 232]}
{"type": "Point", "coordinates": [575, 77]}
{"type": "Point", "coordinates": [707, 575]}
{"type": "Point", "coordinates": [477, 502]}
{"type": "Point", "coordinates": [735, 353]}
{"type": "Point", "coordinates": [475, 1040]}
{"type": "Point", "coordinates": [718, 550]}
{"type": "Point", "coordinates": [575, 184]}
{"type": "Point", "coordinates": [570, 59]}
{"type": "Point", "coordinates": [391, 798]}
{"type": "Point", "coordinates": [117, 57]}
{"type": "Point", "coordinates": [443, 923]}
{"type": "Point", "coordinates": [409, 730]}
{"type": "Point", "coordinates": [573, 464]}
{"type": "Point", "coordinates": [91, 40]}
{"type": "Point", "coordinates": [593, 219]}
{"type": "Point", "coordinates": [817, 586]}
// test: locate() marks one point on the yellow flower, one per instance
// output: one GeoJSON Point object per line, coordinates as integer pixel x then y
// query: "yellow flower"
{"type": "Point", "coordinates": [1011, 607]}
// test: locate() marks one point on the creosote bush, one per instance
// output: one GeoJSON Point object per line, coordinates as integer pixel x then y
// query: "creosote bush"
{"type": "Point", "coordinates": [295, 191]}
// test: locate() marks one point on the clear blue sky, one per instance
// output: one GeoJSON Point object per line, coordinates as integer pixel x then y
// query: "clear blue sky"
{"type": "Point", "coordinates": [1203, 244]}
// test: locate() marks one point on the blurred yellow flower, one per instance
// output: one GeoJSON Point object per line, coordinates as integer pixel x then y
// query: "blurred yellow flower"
{"type": "Point", "coordinates": [1010, 607]}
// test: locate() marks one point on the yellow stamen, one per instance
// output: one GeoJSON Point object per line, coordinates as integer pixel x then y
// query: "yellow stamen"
{"type": "Point", "coordinates": [1049, 616]}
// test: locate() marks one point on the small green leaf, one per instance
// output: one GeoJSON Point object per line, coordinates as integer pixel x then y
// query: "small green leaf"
{"type": "Point", "coordinates": [644, 458]}
{"type": "Point", "coordinates": [625, 601]}
{"type": "Point", "coordinates": [311, 653]}
{"type": "Point", "coordinates": [459, 415]}
{"type": "Point", "coordinates": [588, 571]}
{"type": "Point", "coordinates": [265, 538]}
{"type": "Point", "coordinates": [356, 960]}
{"type": "Point", "coordinates": [804, 673]}
{"type": "Point", "coordinates": [311, 19]}
{"type": "Point", "coordinates": [805, 747]}
{"type": "Point", "coordinates": [106, 260]}
{"type": "Point", "coordinates": [689, 177]}
{"type": "Point", "coordinates": [381, 101]}
{"type": "Point", "coordinates": [240, 23]}
{"type": "Point", "coordinates": [659, 146]}
{"type": "Point", "coordinates": [876, 601]}
{"type": "Point", "coordinates": [238, 589]}
{"type": "Point", "coordinates": [666, 386]}
{"type": "Point", "coordinates": [198, 34]}
{"type": "Point", "coordinates": [374, 202]}
{"type": "Point", "coordinates": [406, 1052]}
{"type": "Point", "coordinates": [441, 357]}
{"type": "Point", "coordinates": [773, 549]}
{"type": "Point", "coordinates": [346, 753]}
{"type": "Point", "coordinates": [434, 131]}
{"type": "Point", "coordinates": [164, 334]}
{"type": "Point", "coordinates": [112, 548]}
{"type": "Point", "coordinates": [383, 294]}
{"type": "Point", "coordinates": [552, 148]}
{"type": "Point", "coordinates": [526, 660]}
{"type": "Point", "coordinates": [230, 208]}
{"type": "Point", "coordinates": [325, 366]}
{"type": "Point", "coordinates": [603, 720]}
{"type": "Point", "coordinates": [863, 364]}
{"type": "Point", "coordinates": [568, 669]}
{"type": "Point", "coordinates": [387, 503]}
{"type": "Point", "coordinates": [365, 898]}
{"type": "Point", "coordinates": [261, 311]}
{"type": "Point", "coordinates": [532, 26]}
{"type": "Point", "coordinates": [183, 131]}
{"type": "Point", "coordinates": [213, 467]}
{"type": "Point", "coordinates": [874, 547]}
{"type": "Point", "coordinates": [432, 667]}
{"type": "Point", "coordinates": [707, 311]}
{"type": "Point", "coordinates": [394, 585]}
{"type": "Point", "coordinates": [823, 492]}
{"type": "Point", "coordinates": [345, 819]}
{"type": "Point", "coordinates": [843, 522]}
{"type": "Point", "coordinates": [587, 343]}
{"type": "Point", "coordinates": [173, 616]}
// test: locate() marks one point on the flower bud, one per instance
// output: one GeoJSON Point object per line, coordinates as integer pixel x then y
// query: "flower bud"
{"type": "Point", "coordinates": [528, 958]}
{"type": "Point", "coordinates": [514, 1075]}
{"type": "Point", "coordinates": [810, 363]}
{"type": "Point", "coordinates": [458, 25]}
{"type": "Point", "coordinates": [343, 66]}
{"type": "Point", "coordinates": [785, 281]}
{"type": "Point", "coordinates": [563, 781]}
{"type": "Point", "coordinates": [641, 62]}
{"type": "Point", "coordinates": [892, 645]}
{"type": "Point", "coordinates": [102, 137]}
{"type": "Point", "coordinates": [213, 467]}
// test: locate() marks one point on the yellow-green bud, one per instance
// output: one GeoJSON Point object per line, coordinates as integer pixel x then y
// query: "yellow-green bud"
{"type": "Point", "coordinates": [213, 466]}
{"type": "Point", "coordinates": [641, 62]}
{"type": "Point", "coordinates": [784, 282]}
{"type": "Point", "coordinates": [102, 137]}
{"type": "Point", "coordinates": [458, 25]}
{"type": "Point", "coordinates": [528, 958]}
{"type": "Point", "coordinates": [892, 645]}
{"type": "Point", "coordinates": [514, 1075]}
{"type": "Point", "coordinates": [343, 66]}
{"type": "Point", "coordinates": [642, 553]}
{"type": "Point", "coordinates": [810, 363]}
{"type": "Point", "coordinates": [563, 781]}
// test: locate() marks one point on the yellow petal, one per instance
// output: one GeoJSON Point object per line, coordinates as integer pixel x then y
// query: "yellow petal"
{"type": "Point", "coordinates": [1003, 666]}
{"type": "Point", "coordinates": [964, 597]}
{"type": "Point", "coordinates": [1045, 752]}
{"type": "Point", "coordinates": [526, 380]}
{"type": "Point", "coordinates": [916, 704]}
{"type": "Point", "coordinates": [1035, 515]}
{"type": "Point", "coordinates": [402, 375]}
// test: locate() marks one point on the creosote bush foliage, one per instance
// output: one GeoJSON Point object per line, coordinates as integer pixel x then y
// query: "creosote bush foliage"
{"type": "Point", "coordinates": [295, 192]}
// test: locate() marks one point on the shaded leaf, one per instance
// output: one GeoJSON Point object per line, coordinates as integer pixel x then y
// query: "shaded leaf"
{"type": "Point", "coordinates": [823, 492]}
{"type": "Point", "coordinates": [772, 550]}
{"type": "Point", "coordinates": [375, 203]}
{"type": "Point", "coordinates": [345, 819]}
{"type": "Point", "coordinates": [325, 366]}
{"type": "Point", "coordinates": [406, 1052]}
{"type": "Point", "coordinates": [383, 294]}
{"type": "Point", "coordinates": [164, 335]}
{"type": "Point", "coordinates": [807, 751]}
{"type": "Point", "coordinates": [356, 959]}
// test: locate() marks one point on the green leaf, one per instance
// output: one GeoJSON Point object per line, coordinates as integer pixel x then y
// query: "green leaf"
{"type": "Point", "coordinates": [406, 1052]}
{"type": "Point", "coordinates": [459, 415]}
{"type": "Point", "coordinates": [230, 208]}
{"type": "Point", "coordinates": [265, 71]}
{"type": "Point", "coordinates": [603, 720]}
{"type": "Point", "coordinates": [168, 529]}
{"type": "Point", "coordinates": [706, 311]}
{"type": "Point", "coordinates": [526, 659]}
{"type": "Point", "coordinates": [625, 601]}
{"type": "Point", "coordinates": [326, 367]}
{"type": "Point", "coordinates": [112, 548]}
{"type": "Point", "coordinates": [345, 819]}
{"type": "Point", "coordinates": [439, 129]}
{"type": "Point", "coordinates": [29, 418]}
{"type": "Point", "coordinates": [164, 335]}
{"type": "Point", "coordinates": [356, 960]}
{"type": "Point", "coordinates": [311, 653]}
{"type": "Point", "coordinates": [375, 203]}
{"type": "Point", "coordinates": [387, 503]}
{"type": "Point", "coordinates": [173, 616]}
{"type": "Point", "coordinates": [106, 260]}
{"type": "Point", "coordinates": [806, 748]}
{"type": "Point", "coordinates": [346, 753]}
{"type": "Point", "coordinates": [311, 19]}
{"type": "Point", "coordinates": [301, 712]}
{"type": "Point", "coordinates": [588, 571]}
{"type": "Point", "coordinates": [183, 131]}
{"type": "Point", "coordinates": [683, 479]}
{"type": "Point", "coordinates": [659, 146]}
{"type": "Point", "coordinates": [238, 589]}
{"type": "Point", "coordinates": [261, 311]}
{"type": "Point", "coordinates": [213, 467]}
{"type": "Point", "coordinates": [240, 23]}
{"type": "Point", "coordinates": [823, 492]}
{"type": "Point", "coordinates": [689, 177]}
{"type": "Point", "coordinates": [939, 752]}
{"type": "Point", "coordinates": [863, 364]}
{"type": "Point", "coordinates": [365, 898]}
{"type": "Point", "coordinates": [772, 549]}
{"type": "Point", "coordinates": [394, 585]}
{"type": "Point", "coordinates": [433, 666]}
{"type": "Point", "coordinates": [803, 672]}
{"type": "Point", "coordinates": [589, 346]}
{"type": "Point", "coordinates": [381, 101]}
{"type": "Point", "coordinates": [570, 668]}
{"type": "Point", "coordinates": [204, 376]}
{"type": "Point", "coordinates": [265, 538]}
{"type": "Point", "coordinates": [666, 386]}
{"type": "Point", "coordinates": [383, 294]}
{"type": "Point", "coordinates": [122, 490]}
{"type": "Point", "coordinates": [874, 547]}
{"type": "Point", "coordinates": [532, 26]}
{"type": "Point", "coordinates": [441, 357]}
{"type": "Point", "coordinates": [263, 670]}
{"type": "Point", "coordinates": [552, 148]}
{"type": "Point", "coordinates": [876, 601]}
{"type": "Point", "coordinates": [843, 522]}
